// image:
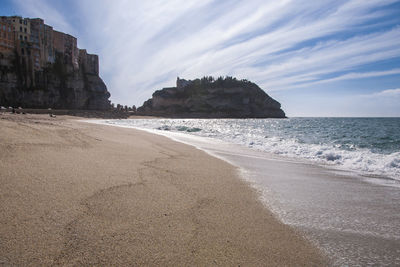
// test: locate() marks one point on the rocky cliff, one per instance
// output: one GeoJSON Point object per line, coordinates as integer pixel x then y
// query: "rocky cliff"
{"type": "Point", "coordinates": [209, 98]}
{"type": "Point", "coordinates": [58, 85]}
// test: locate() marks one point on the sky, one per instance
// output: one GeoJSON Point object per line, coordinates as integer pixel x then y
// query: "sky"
{"type": "Point", "coordinates": [317, 58]}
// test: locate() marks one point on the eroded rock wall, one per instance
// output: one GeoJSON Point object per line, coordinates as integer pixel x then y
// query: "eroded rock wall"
{"type": "Point", "coordinates": [58, 85]}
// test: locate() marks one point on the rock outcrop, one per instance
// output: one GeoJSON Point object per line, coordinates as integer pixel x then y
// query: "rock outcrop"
{"type": "Point", "coordinates": [209, 98]}
{"type": "Point", "coordinates": [59, 85]}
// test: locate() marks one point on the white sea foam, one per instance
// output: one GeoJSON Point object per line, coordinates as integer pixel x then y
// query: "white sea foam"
{"type": "Point", "coordinates": [361, 160]}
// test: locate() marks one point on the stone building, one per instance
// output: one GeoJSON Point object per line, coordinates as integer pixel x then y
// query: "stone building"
{"type": "Point", "coordinates": [89, 62]}
{"type": "Point", "coordinates": [22, 28]}
{"type": "Point", "coordinates": [67, 45]}
{"type": "Point", "coordinates": [42, 43]}
{"type": "Point", "coordinates": [181, 83]}
{"type": "Point", "coordinates": [35, 41]}
{"type": "Point", "coordinates": [7, 42]}
{"type": "Point", "coordinates": [37, 45]}
{"type": "Point", "coordinates": [22, 34]}
{"type": "Point", "coordinates": [48, 55]}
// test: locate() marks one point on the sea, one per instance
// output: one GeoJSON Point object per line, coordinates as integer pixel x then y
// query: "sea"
{"type": "Point", "coordinates": [335, 180]}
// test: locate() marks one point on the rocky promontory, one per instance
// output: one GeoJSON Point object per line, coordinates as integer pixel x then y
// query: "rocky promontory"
{"type": "Point", "coordinates": [209, 98]}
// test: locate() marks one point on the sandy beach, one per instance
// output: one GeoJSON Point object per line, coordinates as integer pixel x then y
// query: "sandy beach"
{"type": "Point", "coordinates": [74, 193]}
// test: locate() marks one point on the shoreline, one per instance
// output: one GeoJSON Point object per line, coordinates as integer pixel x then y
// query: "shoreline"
{"type": "Point", "coordinates": [334, 209]}
{"type": "Point", "coordinates": [78, 193]}
{"type": "Point", "coordinates": [356, 162]}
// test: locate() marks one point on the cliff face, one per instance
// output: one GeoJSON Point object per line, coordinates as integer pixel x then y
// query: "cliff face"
{"type": "Point", "coordinates": [206, 98]}
{"type": "Point", "coordinates": [58, 85]}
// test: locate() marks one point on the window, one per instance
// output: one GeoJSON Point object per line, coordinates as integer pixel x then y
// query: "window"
{"type": "Point", "coordinates": [4, 27]}
{"type": "Point", "coordinates": [20, 21]}
{"type": "Point", "coordinates": [22, 51]}
{"type": "Point", "coordinates": [25, 22]}
{"type": "Point", "coordinates": [20, 37]}
{"type": "Point", "coordinates": [26, 38]}
{"type": "Point", "coordinates": [25, 30]}
{"type": "Point", "coordinates": [20, 29]}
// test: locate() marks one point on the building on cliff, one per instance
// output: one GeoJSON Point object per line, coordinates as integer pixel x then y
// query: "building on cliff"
{"type": "Point", "coordinates": [67, 45]}
{"type": "Point", "coordinates": [37, 43]}
{"type": "Point", "coordinates": [181, 83]}
{"type": "Point", "coordinates": [42, 43]}
{"type": "Point", "coordinates": [34, 57]}
{"type": "Point", "coordinates": [7, 42]}
{"type": "Point", "coordinates": [90, 63]}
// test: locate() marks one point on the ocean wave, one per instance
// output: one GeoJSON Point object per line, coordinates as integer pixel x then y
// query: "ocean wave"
{"type": "Point", "coordinates": [360, 160]}
{"type": "Point", "coordinates": [187, 129]}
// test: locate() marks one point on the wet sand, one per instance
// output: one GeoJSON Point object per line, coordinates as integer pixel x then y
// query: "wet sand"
{"type": "Point", "coordinates": [73, 193]}
{"type": "Point", "coordinates": [354, 219]}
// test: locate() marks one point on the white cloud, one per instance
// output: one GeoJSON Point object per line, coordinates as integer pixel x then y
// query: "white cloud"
{"type": "Point", "coordinates": [358, 75]}
{"type": "Point", "coordinates": [144, 45]}
{"type": "Point", "coordinates": [384, 93]}
{"type": "Point", "coordinates": [390, 92]}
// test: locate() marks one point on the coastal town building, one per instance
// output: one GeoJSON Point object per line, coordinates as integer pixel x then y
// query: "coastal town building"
{"type": "Point", "coordinates": [37, 31]}
{"type": "Point", "coordinates": [67, 45]}
{"type": "Point", "coordinates": [181, 83]}
{"type": "Point", "coordinates": [89, 62]}
{"type": "Point", "coordinates": [22, 34]}
{"type": "Point", "coordinates": [22, 27]}
{"type": "Point", "coordinates": [37, 45]}
{"type": "Point", "coordinates": [44, 68]}
{"type": "Point", "coordinates": [7, 42]}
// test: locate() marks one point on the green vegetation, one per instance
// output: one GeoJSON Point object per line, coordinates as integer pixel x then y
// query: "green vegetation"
{"type": "Point", "coordinates": [220, 82]}
{"type": "Point", "coordinates": [200, 86]}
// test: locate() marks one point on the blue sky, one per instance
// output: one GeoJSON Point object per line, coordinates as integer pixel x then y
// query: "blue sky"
{"type": "Point", "coordinates": [317, 58]}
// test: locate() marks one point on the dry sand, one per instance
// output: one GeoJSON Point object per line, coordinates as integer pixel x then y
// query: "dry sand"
{"type": "Point", "coordinates": [73, 193]}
